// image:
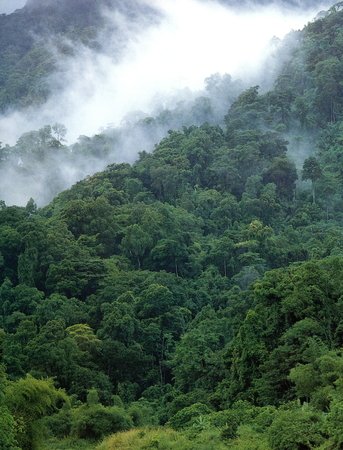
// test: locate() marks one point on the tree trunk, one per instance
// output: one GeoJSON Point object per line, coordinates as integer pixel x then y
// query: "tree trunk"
{"type": "Point", "coordinates": [313, 193]}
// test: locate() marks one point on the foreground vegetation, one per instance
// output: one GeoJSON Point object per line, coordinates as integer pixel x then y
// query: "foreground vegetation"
{"type": "Point", "coordinates": [194, 298]}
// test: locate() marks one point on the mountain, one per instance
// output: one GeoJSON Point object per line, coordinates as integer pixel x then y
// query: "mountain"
{"type": "Point", "coordinates": [193, 298]}
{"type": "Point", "coordinates": [42, 164]}
{"type": "Point", "coordinates": [43, 33]}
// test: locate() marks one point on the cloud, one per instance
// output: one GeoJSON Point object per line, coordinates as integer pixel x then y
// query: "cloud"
{"type": "Point", "coordinates": [193, 40]}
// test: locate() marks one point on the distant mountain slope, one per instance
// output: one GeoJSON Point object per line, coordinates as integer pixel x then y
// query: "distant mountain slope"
{"type": "Point", "coordinates": [25, 56]}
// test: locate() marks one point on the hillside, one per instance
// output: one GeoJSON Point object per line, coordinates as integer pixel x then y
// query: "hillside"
{"type": "Point", "coordinates": [193, 298]}
{"type": "Point", "coordinates": [36, 39]}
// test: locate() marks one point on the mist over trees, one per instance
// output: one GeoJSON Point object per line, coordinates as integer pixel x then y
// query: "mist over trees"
{"type": "Point", "coordinates": [62, 25]}
{"type": "Point", "coordinates": [192, 297]}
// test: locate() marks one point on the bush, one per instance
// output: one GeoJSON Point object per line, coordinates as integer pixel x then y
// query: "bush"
{"type": "Point", "coordinates": [188, 415]}
{"type": "Point", "coordinates": [142, 414]}
{"type": "Point", "coordinates": [97, 421]}
{"type": "Point", "coordinates": [60, 424]}
{"type": "Point", "coordinates": [249, 439]}
{"type": "Point", "coordinates": [146, 439]}
{"type": "Point", "coordinates": [162, 439]}
{"type": "Point", "coordinates": [7, 429]}
{"type": "Point", "coordinates": [295, 429]}
{"type": "Point", "coordinates": [335, 423]}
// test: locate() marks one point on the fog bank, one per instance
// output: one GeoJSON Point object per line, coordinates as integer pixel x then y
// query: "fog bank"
{"type": "Point", "coordinates": [192, 40]}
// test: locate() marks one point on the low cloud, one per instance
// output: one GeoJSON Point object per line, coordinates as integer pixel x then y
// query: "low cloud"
{"type": "Point", "coordinates": [192, 40]}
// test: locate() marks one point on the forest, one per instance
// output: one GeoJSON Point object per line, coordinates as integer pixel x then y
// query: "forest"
{"type": "Point", "coordinates": [194, 298]}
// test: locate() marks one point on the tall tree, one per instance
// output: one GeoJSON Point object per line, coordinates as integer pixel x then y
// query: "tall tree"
{"type": "Point", "coordinates": [312, 171]}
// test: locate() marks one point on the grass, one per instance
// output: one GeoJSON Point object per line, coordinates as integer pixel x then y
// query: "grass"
{"type": "Point", "coordinates": [68, 444]}
{"type": "Point", "coordinates": [139, 439]}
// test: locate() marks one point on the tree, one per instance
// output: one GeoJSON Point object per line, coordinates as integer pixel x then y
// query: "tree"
{"type": "Point", "coordinates": [334, 423]}
{"type": "Point", "coordinates": [312, 171]}
{"type": "Point", "coordinates": [60, 131]}
{"type": "Point", "coordinates": [8, 425]}
{"type": "Point", "coordinates": [171, 255]}
{"type": "Point", "coordinates": [328, 75]}
{"type": "Point", "coordinates": [75, 277]}
{"type": "Point", "coordinates": [136, 243]}
{"type": "Point", "coordinates": [84, 337]}
{"type": "Point", "coordinates": [282, 172]}
{"type": "Point", "coordinates": [29, 400]}
{"type": "Point", "coordinates": [155, 301]}
{"type": "Point", "coordinates": [198, 358]}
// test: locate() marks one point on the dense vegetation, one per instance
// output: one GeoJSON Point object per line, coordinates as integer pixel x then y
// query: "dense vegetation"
{"type": "Point", "coordinates": [194, 297]}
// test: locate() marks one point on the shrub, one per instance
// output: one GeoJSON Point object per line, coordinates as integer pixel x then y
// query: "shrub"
{"type": "Point", "coordinates": [146, 439]}
{"type": "Point", "coordinates": [295, 429]}
{"type": "Point", "coordinates": [97, 421]}
{"type": "Point", "coordinates": [186, 416]}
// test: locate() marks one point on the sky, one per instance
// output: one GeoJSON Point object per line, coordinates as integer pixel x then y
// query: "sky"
{"type": "Point", "coordinates": [8, 6]}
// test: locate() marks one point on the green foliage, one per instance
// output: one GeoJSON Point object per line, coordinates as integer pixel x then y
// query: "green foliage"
{"type": "Point", "coordinates": [200, 287]}
{"type": "Point", "coordinates": [69, 443]}
{"type": "Point", "coordinates": [140, 439]}
{"type": "Point", "coordinates": [313, 172]}
{"type": "Point", "coordinates": [29, 400]}
{"type": "Point", "coordinates": [334, 423]}
{"type": "Point", "coordinates": [8, 424]}
{"type": "Point", "coordinates": [8, 430]}
{"type": "Point", "coordinates": [165, 439]}
{"type": "Point", "coordinates": [186, 416]}
{"type": "Point", "coordinates": [248, 439]}
{"type": "Point", "coordinates": [294, 429]}
{"type": "Point", "coordinates": [96, 421]}
{"type": "Point", "coordinates": [60, 424]}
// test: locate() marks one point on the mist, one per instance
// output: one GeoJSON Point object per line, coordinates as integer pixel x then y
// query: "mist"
{"type": "Point", "coordinates": [153, 67]}
{"type": "Point", "coordinates": [8, 6]}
